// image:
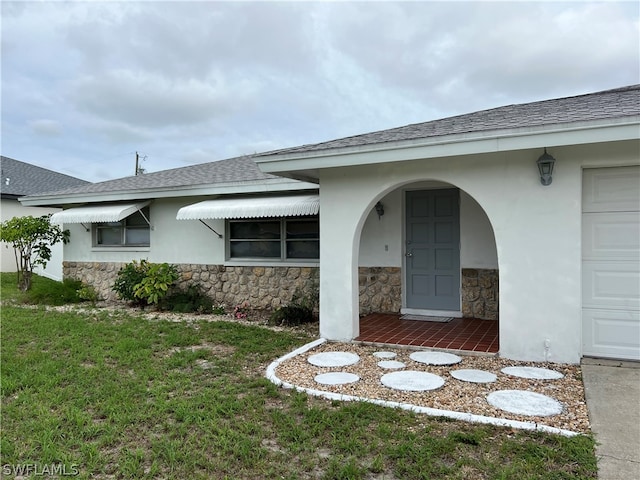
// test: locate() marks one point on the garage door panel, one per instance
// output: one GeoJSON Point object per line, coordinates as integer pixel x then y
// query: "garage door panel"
{"type": "Point", "coordinates": [611, 334]}
{"type": "Point", "coordinates": [611, 262]}
{"type": "Point", "coordinates": [611, 189]}
{"type": "Point", "coordinates": [611, 235]}
{"type": "Point", "coordinates": [611, 285]}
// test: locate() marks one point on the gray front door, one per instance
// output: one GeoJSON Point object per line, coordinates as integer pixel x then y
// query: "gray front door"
{"type": "Point", "coordinates": [433, 250]}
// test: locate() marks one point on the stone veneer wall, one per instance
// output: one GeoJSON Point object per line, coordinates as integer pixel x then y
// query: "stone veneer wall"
{"type": "Point", "coordinates": [380, 288]}
{"type": "Point", "coordinates": [261, 287]}
{"type": "Point", "coordinates": [480, 293]}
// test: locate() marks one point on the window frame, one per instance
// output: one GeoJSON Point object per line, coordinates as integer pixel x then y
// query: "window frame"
{"type": "Point", "coordinates": [282, 240]}
{"type": "Point", "coordinates": [124, 227]}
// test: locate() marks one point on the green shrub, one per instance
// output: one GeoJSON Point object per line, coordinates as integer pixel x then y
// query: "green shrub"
{"type": "Point", "coordinates": [191, 300]}
{"type": "Point", "coordinates": [88, 293]}
{"type": "Point", "coordinates": [301, 309]}
{"type": "Point", "coordinates": [155, 285]}
{"type": "Point", "coordinates": [52, 292]}
{"type": "Point", "coordinates": [219, 310]}
{"type": "Point", "coordinates": [129, 277]}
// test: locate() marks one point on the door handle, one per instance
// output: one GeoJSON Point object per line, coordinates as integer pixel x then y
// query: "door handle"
{"type": "Point", "coordinates": [408, 254]}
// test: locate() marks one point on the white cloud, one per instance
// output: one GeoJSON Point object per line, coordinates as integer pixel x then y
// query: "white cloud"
{"type": "Point", "coordinates": [150, 100]}
{"type": "Point", "coordinates": [89, 83]}
{"type": "Point", "coordinates": [46, 127]}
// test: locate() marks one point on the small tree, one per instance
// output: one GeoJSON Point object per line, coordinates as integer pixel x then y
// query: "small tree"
{"type": "Point", "coordinates": [31, 238]}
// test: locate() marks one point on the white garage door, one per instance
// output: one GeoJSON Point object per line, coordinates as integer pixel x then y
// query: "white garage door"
{"type": "Point", "coordinates": [611, 262]}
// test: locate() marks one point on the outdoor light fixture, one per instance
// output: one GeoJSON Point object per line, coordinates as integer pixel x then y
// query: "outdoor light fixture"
{"type": "Point", "coordinates": [545, 165]}
{"type": "Point", "coordinates": [379, 209]}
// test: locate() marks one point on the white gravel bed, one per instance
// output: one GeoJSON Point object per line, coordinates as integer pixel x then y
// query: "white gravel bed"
{"type": "Point", "coordinates": [455, 395]}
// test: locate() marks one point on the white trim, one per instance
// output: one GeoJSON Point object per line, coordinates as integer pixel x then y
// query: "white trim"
{"type": "Point", "coordinates": [255, 186]}
{"type": "Point", "coordinates": [97, 213]}
{"type": "Point", "coordinates": [270, 263]}
{"type": "Point", "coordinates": [124, 248]}
{"type": "Point", "coordinates": [254, 207]}
{"type": "Point", "coordinates": [453, 145]}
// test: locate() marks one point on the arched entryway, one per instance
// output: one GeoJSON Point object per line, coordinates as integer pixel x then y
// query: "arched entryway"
{"type": "Point", "coordinates": [428, 270]}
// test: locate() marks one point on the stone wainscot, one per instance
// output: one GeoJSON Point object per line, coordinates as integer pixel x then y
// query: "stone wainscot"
{"type": "Point", "coordinates": [270, 287]}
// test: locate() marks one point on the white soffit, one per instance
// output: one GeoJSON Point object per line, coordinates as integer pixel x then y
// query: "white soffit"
{"type": "Point", "coordinates": [258, 207]}
{"type": "Point", "coordinates": [97, 213]}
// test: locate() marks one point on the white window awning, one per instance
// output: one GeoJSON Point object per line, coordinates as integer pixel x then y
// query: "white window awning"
{"type": "Point", "coordinates": [292, 206]}
{"type": "Point", "coordinates": [97, 213]}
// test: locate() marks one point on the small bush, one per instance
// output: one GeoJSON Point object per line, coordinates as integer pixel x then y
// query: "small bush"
{"type": "Point", "coordinates": [240, 311]}
{"type": "Point", "coordinates": [156, 283]}
{"type": "Point", "coordinates": [88, 293]}
{"type": "Point", "coordinates": [54, 293]}
{"type": "Point", "coordinates": [300, 310]}
{"type": "Point", "coordinates": [191, 300]}
{"type": "Point", "coordinates": [127, 280]}
{"type": "Point", "coordinates": [219, 310]}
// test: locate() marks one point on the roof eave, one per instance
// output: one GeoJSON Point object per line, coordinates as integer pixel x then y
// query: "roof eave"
{"type": "Point", "coordinates": [231, 188]}
{"type": "Point", "coordinates": [294, 164]}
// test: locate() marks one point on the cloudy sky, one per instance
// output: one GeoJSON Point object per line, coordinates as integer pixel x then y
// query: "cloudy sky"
{"type": "Point", "coordinates": [87, 84]}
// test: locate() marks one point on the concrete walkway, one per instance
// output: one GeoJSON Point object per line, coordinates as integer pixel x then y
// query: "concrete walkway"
{"type": "Point", "coordinates": [612, 390]}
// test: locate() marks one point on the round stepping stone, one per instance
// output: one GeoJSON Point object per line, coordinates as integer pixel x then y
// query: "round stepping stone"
{"type": "Point", "coordinates": [522, 402]}
{"type": "Point", "coordinates": [474, 376]}
{"type": "Point", "coordinates": [412, 381]}
{"type": "Point", "coordinates": [532, 372]}
{"type": "Point", "coordinates": [333, 359]}
{"type": "Point", "coordinates": [391, 364]}
{"type": "Point", "coordinates": [435, 358]}
{"type": "Point", "coordinates": [385, 354]}
{"type": "Point", "coordinates": [336, 378]}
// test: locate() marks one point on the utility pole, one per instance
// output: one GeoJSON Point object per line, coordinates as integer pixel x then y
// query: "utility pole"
{"type": "Point", "coordinates": [139, 169]}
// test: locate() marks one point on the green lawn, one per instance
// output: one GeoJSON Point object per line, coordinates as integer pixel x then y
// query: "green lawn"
{"type": "Point", "coordinates": [119, 396]}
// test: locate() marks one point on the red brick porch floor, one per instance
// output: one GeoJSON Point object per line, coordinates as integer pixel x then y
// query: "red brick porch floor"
{"type": "Point", "coordinates": [469, 334]}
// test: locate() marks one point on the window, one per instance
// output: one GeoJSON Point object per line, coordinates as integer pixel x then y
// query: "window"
{"type": "Point", "coordinates": [131, 231]}
{"type": "Point", "coordinates": [274, 239]}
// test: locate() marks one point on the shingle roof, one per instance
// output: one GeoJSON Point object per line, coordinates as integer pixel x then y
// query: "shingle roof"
{"type": "Point", "coordinates": [20, 178]}
{"type": "Point", "coordinates": [608, 104]}
{"type": "Point", "coordinates": [233, 170]}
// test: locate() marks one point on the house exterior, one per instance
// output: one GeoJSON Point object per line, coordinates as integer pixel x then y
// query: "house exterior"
{"type": "Point", "coordinates": [237, 253]}
{"type": "Point", "coordinates": [17, 180]}
{"type": "Point", "coordinates": [567, 255]}
{"type": "Point", "coordinates": [450, 217]}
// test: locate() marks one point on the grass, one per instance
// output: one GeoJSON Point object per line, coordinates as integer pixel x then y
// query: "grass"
{"type": "Point", "coordinates": [115, 395]}
{"type": "Point", "coordinates": [44, 291]}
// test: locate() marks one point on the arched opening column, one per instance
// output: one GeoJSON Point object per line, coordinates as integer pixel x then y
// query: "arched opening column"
{"type": "Point", "coordinates": [342, 207]}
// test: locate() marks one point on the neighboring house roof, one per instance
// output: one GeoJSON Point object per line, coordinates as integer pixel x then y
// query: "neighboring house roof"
{"type": "Point", "coordinates": [234, 175]}
{"type": "Point", "coordinates": [606, 105]}
{"type": "Point", "coordinates": [20, 178]}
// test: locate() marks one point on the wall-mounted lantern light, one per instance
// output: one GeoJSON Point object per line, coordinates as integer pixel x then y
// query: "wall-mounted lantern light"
{"type": "Point", "coordinates": [545, 166]}
{"type": "Point", "coordinates": [379, 209]}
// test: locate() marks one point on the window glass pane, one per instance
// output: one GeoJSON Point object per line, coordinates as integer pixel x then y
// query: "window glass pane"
{"type": "Point", "coordinates": [137, 236]}
{"type": "Point", "coordinates": [257, 230]}
{"type": "Point", "coordinates": [256, 249]}
{"type": "Point", "coordinates": [303, 249]}
{"type": "Point", "coordinates": [303, 229]}
{"type": "Point", "coordinates": [109, 236]}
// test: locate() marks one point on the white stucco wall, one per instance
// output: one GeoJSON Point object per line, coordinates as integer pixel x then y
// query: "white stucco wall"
{"type": "Point", "coordinates": [537, 234]}
{"type": "Point", "coordinates": [13, 208]}
{"type": "Point", "coordinates": [171, 240]}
